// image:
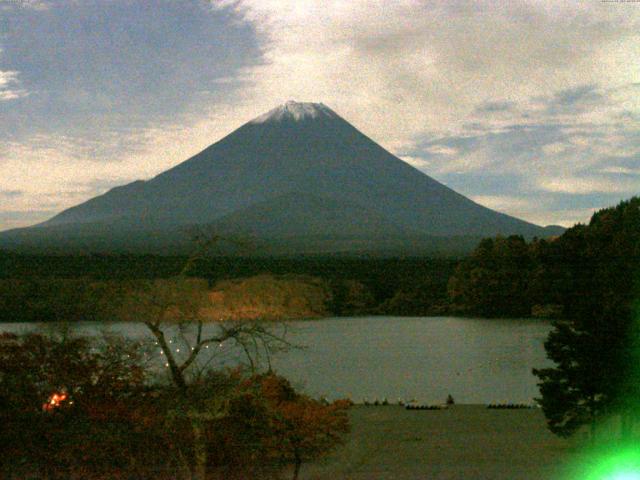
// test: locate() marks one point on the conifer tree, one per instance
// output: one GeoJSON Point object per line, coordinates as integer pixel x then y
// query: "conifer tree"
{"type": "Point", "coordinates": [596, 347]}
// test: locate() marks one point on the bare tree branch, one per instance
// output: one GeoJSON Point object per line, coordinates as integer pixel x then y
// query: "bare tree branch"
{"type": "Point", "coordinates": [176, 373]}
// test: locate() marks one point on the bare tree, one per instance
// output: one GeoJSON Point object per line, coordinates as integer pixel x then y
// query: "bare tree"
{"type": "Point", "coordinates": [179, 303]}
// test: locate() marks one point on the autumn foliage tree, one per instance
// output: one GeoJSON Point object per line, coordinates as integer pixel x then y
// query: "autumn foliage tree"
{"type": "Point", "coordinates": [182, 305]}
{"type": "Point", "coordinates": [258, 426]}
{"type": "Point", "coordinates": [75, 407]}
{"type": "Point", "coordinates": [81, 408]}
{"type": "Point", "coordinates": [302, 429]}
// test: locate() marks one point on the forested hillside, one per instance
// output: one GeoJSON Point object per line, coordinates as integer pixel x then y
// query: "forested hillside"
{"type": "Point", "coordinates": [50, 288]}
{"type": "Point", "coordinates": [579, 271]}
{"type": "Point", "coordinates": [587, 269]}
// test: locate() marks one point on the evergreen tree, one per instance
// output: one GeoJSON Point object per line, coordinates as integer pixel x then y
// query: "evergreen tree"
{"type": "Point", "coordinates": [494, 280]}
{"type": "Point", "coordinates": [596, 347]}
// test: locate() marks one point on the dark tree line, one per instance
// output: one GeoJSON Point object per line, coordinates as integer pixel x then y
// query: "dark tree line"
{"type": "Point", "coordinates": [596, 344]}
{"type": "Point", "coordinates": [75, 287]}
{"type": "Point", "coordinates": [496, 280]}
{"type": "Point", "coordinates": [558, 278]}
{"type": "Point", "coordinates": [588, 281]}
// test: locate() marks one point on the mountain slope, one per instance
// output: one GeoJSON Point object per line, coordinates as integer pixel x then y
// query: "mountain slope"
{"type": "Point", "coordinates": [297, 170]}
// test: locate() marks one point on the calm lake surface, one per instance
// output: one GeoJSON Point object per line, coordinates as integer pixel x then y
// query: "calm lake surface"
{"type": "Point", "coordinates": [420, 358]}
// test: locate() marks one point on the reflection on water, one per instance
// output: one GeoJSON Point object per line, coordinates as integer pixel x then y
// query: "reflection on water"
{"type": "Point", "coordinates": [421, 358]}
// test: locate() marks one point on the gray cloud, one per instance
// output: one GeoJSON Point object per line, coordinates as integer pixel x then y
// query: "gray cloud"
{"type": "Point", "coordinates": [580, 94]}
{"type": "Point", "coordinates": [25, 4]}
{"type": "Point", "coordinates": [492, 98]}
{"type": "Point", "coordinates": [563, 155]}
{"type": "Point", "coordinates": [99, 70]}
{"type": "Point", "coordinates": [11, 193]}
{"type": "Point", "coordinates": [576, 99]}
{"type": "Point", "coordinates": [10, 86]}
{"type": "Point", "coordinates": [495, 106]}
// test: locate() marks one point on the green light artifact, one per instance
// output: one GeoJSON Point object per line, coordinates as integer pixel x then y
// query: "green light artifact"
{"type": "Point", "coordinates": [619, 463]}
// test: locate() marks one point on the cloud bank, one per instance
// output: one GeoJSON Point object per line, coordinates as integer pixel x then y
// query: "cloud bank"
{"type": "Point", "coordinates": [492, 98]}
{"type": "Point", "coordinates": [529, 107]}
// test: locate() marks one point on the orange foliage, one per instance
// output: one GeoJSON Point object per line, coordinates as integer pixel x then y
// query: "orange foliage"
{"type": "Point", "coordinates": [304, 429]}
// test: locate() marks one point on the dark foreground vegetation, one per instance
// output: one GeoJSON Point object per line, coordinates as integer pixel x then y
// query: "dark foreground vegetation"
{"type": "Point", "coordinates": [78, 408]}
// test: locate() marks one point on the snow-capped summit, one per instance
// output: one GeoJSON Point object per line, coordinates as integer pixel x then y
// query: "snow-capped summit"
{"type": "Point", "coordinates": [295, 111]}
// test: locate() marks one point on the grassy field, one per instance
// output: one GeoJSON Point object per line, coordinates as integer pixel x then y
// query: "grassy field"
{"type": "Point", "coordinates": [467, 442]}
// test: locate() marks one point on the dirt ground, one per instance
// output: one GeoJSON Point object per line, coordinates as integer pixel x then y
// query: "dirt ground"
{"type": "Point", "coordinates": [467, 442]}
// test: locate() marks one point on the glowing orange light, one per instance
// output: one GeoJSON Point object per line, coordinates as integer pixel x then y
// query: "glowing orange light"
{"type": "Point", "coordinates": [55, 400]}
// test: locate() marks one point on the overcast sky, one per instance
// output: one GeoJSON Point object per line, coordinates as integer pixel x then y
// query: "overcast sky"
{"type": "Point", "coordinates": [531, 108]}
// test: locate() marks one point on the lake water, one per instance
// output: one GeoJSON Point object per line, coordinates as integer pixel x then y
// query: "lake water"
{"type": "Point", "coordinates": [420, 358]}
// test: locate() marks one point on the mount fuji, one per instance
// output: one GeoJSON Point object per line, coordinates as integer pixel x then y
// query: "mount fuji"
{"type": "Point", "coordinates": [298, 178]}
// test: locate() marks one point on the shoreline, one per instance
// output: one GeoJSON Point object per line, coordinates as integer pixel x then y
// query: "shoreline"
{"type": "Point", "coordinates": [302, 320]}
